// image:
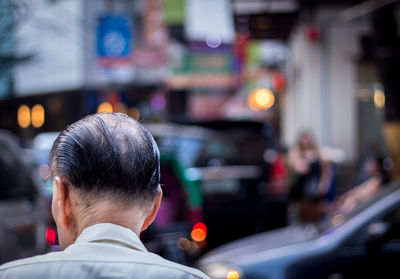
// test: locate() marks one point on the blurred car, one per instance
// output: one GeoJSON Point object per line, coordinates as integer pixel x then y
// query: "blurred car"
{"type": "Point", "coordinates": [216, 178]}
{"type": "Point", "coordinates": [277, 180]}
{"type": "Point", "coordinates": [363, 243]}
{"type": "Point", "coordinates": [39, 155]}
{"type": "Point", "coordinates": [38, 159]}
{"type": "Point", "coordinates": [23, 214]}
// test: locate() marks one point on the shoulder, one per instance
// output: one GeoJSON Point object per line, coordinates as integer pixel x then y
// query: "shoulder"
{"type": "Point", "coordinates": [62, 266]}
{"type": "Point", "coordinates": [28, 266]}
{"type": "Point", "coordinates": [184, 271]}
{"type": "Point", "coordinates": [33, 260]}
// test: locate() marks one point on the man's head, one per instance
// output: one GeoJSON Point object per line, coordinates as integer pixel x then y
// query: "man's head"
{"type": "Point", "coordinates": [104, 165]}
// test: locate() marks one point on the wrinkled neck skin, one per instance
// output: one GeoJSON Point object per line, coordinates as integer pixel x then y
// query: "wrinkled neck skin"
{"type": "Point", "coordinates": [87, 211]}
{"type": "Point", "coordinates": [108, 211]}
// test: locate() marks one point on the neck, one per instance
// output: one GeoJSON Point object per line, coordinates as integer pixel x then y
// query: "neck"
{"type": "Point", "coordinates": [105, 211]}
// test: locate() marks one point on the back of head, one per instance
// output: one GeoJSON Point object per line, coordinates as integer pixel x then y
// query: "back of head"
{"type": "Point", "coordinates": [108, 156]}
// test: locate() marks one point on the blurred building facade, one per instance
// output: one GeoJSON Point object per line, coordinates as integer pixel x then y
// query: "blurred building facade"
{"type": "Point", "coordinates": [339, 86]}
{"type": "Point", "coordinates": [323, 85]}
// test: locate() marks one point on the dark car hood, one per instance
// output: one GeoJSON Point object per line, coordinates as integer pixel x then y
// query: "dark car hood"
{"type": "Point", "coordinates": [260, 242]}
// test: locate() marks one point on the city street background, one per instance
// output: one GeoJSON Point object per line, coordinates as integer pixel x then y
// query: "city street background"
{"type": "Point", "coordinates": [268, 114]}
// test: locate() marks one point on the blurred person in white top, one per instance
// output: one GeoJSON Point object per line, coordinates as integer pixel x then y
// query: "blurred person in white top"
{"type": "Point", "coordinates": [106, 192]}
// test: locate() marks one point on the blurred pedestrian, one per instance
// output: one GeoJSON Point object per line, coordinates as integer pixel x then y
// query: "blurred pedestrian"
{"type": "Point", "coordinates": [310, 179]}
{"type": "Point", "coordinates": [376, 178]}
{"type": "Point", "coordinates": [106, 192]}
{"type": "Point", "coordinates": [278, 185]}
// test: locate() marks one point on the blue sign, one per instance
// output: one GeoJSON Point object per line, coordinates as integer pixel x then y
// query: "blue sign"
{"type": "Point", "coordinates": [114, 37]}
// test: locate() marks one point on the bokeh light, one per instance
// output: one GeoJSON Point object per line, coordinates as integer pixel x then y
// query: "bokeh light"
{"type": "Point", "coordinates": [199, 232]}
{"type": "Point", "coordinates": [134, 113]}
{"type": "Point", "coordinates": [24, 116]}
{"type": "Point", "coordinates": [121, 107]}
{"type": "Point", "coordinates": [105, 107]}
{"type": "Point", "coordinates": [379, 98]}
{"type": "Point", "coordinates": [213, 40]}
{"type": "Point", "coordinates": [37, 116]}
{"type": "Point", "coordinates": [44, 171]}
{"type": "Point", "coordinates": [183, 243]}
{"type": "Point", "coordinates": [158, 102]}
{"type": "Point", "coordinates": [261, 99]}
{"type": "Point", "coordinates": [51, 236]}
{"type": "Point", "coordinates": [233, 274]}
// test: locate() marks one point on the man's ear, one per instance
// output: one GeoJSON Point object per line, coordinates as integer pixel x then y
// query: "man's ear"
{"type": "Point", "coordinates": [61, 204]}
{"type": "Point", "coordinates": [153, 212]}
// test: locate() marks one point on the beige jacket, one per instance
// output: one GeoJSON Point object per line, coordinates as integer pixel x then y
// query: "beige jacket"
{"type": "Point", "coordinates": [101, 251]}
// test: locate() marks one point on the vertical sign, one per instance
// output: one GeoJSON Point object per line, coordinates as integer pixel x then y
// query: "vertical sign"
{"type": "Point", "coordinates": [114, 40]}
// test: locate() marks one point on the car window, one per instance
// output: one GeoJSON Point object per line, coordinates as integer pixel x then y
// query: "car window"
{"type": "Point", "coordinates": [229, 149]}
{"type": "Point", "coordinates": [387, 225]}
{"type": "Point", "coordinates": [249, 148]}
{"type": "Point", "coordinates": [185, 149]}
{"type": "Point", "coordinates": [392, 220]}
{"type": "Point", "coordinates": [188, 150]}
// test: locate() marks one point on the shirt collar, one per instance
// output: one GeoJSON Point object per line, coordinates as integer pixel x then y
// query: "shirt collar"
{"type": "Point", "coordinates": [107, 232]}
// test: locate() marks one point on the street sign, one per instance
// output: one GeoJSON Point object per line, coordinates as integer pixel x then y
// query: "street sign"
{"type": "Point", "coordinates": [114, 39]}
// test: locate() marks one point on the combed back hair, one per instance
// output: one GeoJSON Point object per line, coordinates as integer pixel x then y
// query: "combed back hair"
{"type": "Point", "coordinates": [108, 155]}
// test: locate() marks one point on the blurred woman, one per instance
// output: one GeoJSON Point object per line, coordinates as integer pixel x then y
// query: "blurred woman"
{"type": "Point", "coordinates": [310, 179]}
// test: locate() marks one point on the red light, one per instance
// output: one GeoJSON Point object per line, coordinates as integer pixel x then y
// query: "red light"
{"type": "Point", "coordinates": [313, 34]}
{"type": "Point", "coordinates": [201, 226]}
{"type": "Point", "coordinates": [199, 232]}
{"type": "Point", "coordinates": [51, 236]}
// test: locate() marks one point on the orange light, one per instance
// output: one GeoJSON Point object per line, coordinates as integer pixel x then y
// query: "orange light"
{"type": "Point", "coordinates": [183, 243]}
{"type": "Point", "coordinates": [199, 232]}
{"type": "Point", "coordinates": [121, 107]}
{"type": "Point", "coordinates": [233, 274]}
{"type": "Point", "coordinates": [51, 236]}
{"type": "Point", "coordinates": [261, 99]}
{"type": "Point", "coordinates": [379, 98]}
{"type": "Point", "coordinates": [37, 116]}
{"type": "Point", "coordinates": [105, 107]}
{"type": "Point", "coordinates": [24, 116]}
{"type": "Point", "coordinates": [134, 113]}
